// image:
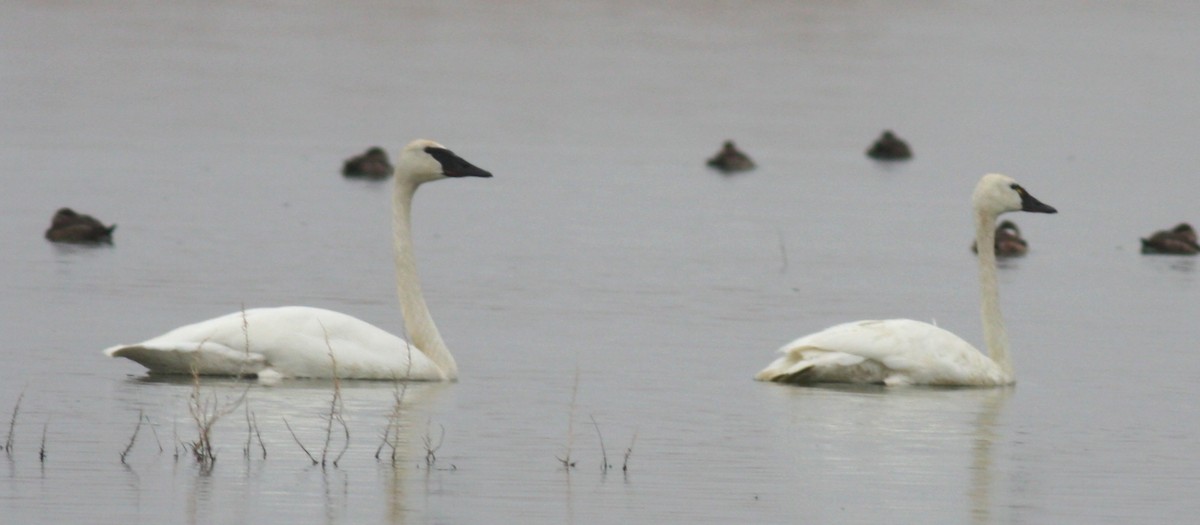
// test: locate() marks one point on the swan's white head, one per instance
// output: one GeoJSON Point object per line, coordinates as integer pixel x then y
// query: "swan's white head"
{"type": "Point", "coordinates": [996, 194]}
{"type": "Point", "coordinates": [424, 160]}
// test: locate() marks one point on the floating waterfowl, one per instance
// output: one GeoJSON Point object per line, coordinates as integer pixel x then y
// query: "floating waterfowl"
{"type": "Point", "coordinates": [889, 147]}
{"type": "Point", "coordinates": [907, 352]}
{"type": "Point", "coordinates": [301, 341]}
{"type": "Point", "coordinates": [72, 227]}
{"type": "Point", "coordinates": [1180, 240]}
{"type": "Point", "coordinates": [371, 164]}
{"type": "Point", "coordinates": [1008, 241]}
{"type": "Point", "coordinates": [730, 159]}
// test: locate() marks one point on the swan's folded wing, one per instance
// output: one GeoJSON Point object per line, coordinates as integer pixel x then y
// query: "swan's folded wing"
{"type": "Point", "coordinates": [794, 365]}
{"type": "Point", "coordinates": [161, 356]}
{"type": "Point", "coordinates": [897, 343]}
{"type": "Point", "coordinates": [873, 352]}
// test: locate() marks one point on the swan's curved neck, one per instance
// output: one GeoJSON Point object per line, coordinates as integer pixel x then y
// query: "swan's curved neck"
{"type": "Point", "coordinates": [421, 331]}
{"type": "Point", "coordinates": [993, 324]}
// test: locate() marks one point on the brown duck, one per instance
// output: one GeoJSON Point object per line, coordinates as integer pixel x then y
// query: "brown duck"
{"type": "Point", "coordinates": [730, 159]}
{"type": "Point", "coordinates": [69, 226]}
{"type": "Point", "coordinates": [371, 164]}
{"type": "Point", "coordinates": [889, 147]}
{"type": "Point", "coordinates": [1180, 240]}
{"type": "Point", "coordinates": [1008, 241]}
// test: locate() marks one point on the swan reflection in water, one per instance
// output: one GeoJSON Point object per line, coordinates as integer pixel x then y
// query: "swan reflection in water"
{"type": "Point", "coordinates": [854, 444]}
{"type": "Point", "coordinates": [982, 475]}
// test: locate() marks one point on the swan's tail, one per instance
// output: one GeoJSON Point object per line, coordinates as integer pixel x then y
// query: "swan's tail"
{"type": "Point", "coordinates": [785, 368]}
{"type": "Point", "coordinates": [207, 358]}
{"type": "Point", "coordinates": [809, 364]}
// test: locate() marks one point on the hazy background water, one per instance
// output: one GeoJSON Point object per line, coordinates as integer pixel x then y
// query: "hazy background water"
{"type": "Point", "coordinates": [603, 249]}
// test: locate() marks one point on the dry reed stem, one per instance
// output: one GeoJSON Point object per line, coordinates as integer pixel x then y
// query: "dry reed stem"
{"type": "Point", "coordinates": [205, 413]}
{"type": "Point", "coordinates": [252, 432]}
{"type": "Point", "coordinates": [154, 431]}
{"type": "Point", "coordinates": [335, 414]}
{"type": "Point", "coordinates": [245, 344]}
{"type": "Point", "coordinates": [12, 424]}
{"type": "Point", "coordinates": [400, 388]}
{"type": "Point", "coordinates": [245, 336]}
{"type": "Point", "coordinates": [306, 452]}
{"type": "Point", "coordinates": [335, 407]}
{"type": "Point", "coordinates": [392, 430]}
{"type": "Point", "coordinates": [782, 251]}
{"type": "Point", "coordinates": [629, 452]}
{"type": "Point", "coordinates": [566, 460]}
{"type": "Point", "coordinates": [251, 422]}
{"type": "Point", "coordinates": [245, 330]}
{"type": "Point", "coordinates": [133, 438]}
{"type": "Point", "coordinates": [202, 447]}
{"type": "Point", "coordinates": [345, 442]}
{"type": "Point", "coordinates": [249, 432]}
{"type": "Point", "coordinates": [258, 435]}
{"type": "Point", "coordinates": [604, 466]}
{"type": "Point", "coordinates": [42, 449]}
{"type": "Point", "coordinates": [430, 448]}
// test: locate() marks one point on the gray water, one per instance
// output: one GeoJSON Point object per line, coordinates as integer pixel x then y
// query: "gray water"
{"type": "Point", "coordinates": [604, 279]}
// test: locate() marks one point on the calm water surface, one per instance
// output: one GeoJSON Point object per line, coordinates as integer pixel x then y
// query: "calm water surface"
{"type": "Point", "coordinates": [604, 264]}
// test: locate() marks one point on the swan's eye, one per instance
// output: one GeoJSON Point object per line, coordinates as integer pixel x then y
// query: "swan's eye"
{"type": "Point", "coordinates": [1017, 187]}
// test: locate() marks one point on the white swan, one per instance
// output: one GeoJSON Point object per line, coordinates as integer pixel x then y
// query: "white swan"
{"type": "Point", "coordinates": [907, 352]}
{"type": "Point", "coordinates": [295, 341]}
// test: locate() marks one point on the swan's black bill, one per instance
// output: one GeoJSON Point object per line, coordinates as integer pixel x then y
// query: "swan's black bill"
{"type": "Point", "coordinates": [455, 166]}
{"type": "Point", "coordinates": [1030, 203]}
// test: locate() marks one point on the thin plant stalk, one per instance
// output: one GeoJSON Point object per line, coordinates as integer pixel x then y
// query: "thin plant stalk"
{"type": "Point", "coordinates": [391, 433]}
{"type": "Point", "coordinates": [629, 452]}
{"type": "Point", "coordinates": [249, 433]}
{"type": "Point", "coordinates": [133, 438]}
{"type": "Point", "coordinates": [782, 251]}
{"type": "Point", "coordinates": [12, 424]}
{"type": "Point", "coordinates": [431, 448]}
{"type": "Point", "coordinates": [345, 442]}
{"type": "Point", "coordinates": [246, 342]}
{"type": "Point", "coordinates": [205, 413]}
{"type": "Point", "coordinates": [604, 466]}
{"type": "Point", "coordinates": [392, 430]}
{"type": "Point", "coordinates": [566, 460]}
{"type": "Point", "coordinates": [335, 408]}
{"type": "Point", "coordinates": [302, 447]}
{"type": "Point", "coordinates": [154, 431]}
{"type": "Point", "coordinates": [42, 450]}
{"type": "Point", "coordinates": [335, 415]}
{"type": "Point", "coordinates": [252, 432]}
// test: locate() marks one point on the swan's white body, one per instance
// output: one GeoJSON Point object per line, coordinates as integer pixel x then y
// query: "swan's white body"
{"type": "Point", "coordinates": [907, 352]}
{"type": "Point", "coordinates": [289, 340]}
{"type": "Point", "coordinates": [891, 352]}
{"type": "Point", "coordinates": [299, 341]}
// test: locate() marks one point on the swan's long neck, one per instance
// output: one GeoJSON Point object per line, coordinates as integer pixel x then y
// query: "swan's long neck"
{"type": "Point", "coordinates": [993, 324]}
{"type": "Point", "coordinates": [421, 331]}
